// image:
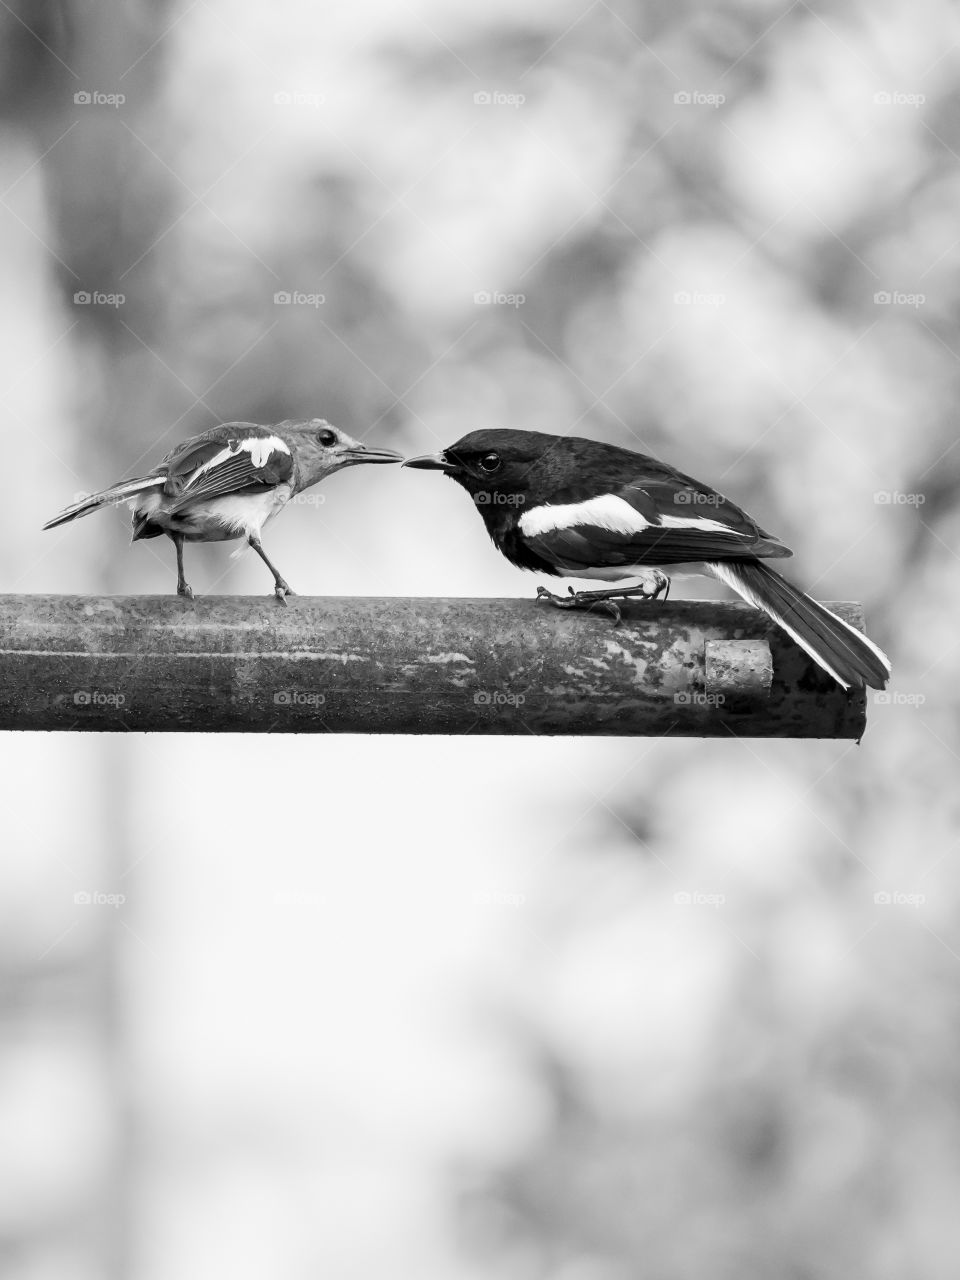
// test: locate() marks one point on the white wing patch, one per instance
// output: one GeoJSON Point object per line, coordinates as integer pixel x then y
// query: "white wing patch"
{"type": "Point", "coordinates": [258, 447]}
{"type": "Point", "coordinates": [606, 512]}
{"type": "Point", "coordinates": [614, 514]}
{"type": "Point", "coordinates": [701, 522]}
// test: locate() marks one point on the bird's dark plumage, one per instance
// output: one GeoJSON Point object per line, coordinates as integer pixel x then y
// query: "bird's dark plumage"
{"type": "Point", "coordinates": [572, 507]}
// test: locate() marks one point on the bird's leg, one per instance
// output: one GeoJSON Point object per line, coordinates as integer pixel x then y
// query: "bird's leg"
{"type": "Point", "coordinates": [281, 588]}
{"type": "Point", "coordinates": [604, 600]}
{"type": "Point", "coordinates": [183, 588]}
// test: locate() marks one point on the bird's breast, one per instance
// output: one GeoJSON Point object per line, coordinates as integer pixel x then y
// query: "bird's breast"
{"type": "Point", "coordinates": [234, 515]}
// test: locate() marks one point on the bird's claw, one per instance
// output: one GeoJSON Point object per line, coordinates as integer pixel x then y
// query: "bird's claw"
{"type": "Point", "coordinates": [544, 594]}
{"type": "Point", "coordinates": [581, 600]}
{"type": "Point", "coordinates": [602, 600]}
{"type": "Point", "coordinates": [183, 589]}
{"type": "Point", "coordinates": [282, 590]}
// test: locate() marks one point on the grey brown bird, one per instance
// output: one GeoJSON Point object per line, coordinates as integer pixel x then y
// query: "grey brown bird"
{"type": "Point", "coordinates": [228, 482]}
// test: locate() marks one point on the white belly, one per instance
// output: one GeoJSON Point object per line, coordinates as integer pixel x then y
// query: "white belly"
{"type": "Point", "coordinates": [236, 515]}
{"type": "Point", "coordinates": [242, 514]}
{"type": "Point", "coordinates": [617, 573]}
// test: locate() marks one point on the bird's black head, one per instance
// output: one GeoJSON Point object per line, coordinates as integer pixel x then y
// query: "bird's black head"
{"type": "Point", "coordinates": [504, 470]}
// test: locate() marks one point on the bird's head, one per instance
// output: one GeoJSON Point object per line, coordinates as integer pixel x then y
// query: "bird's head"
{"type": "Point", "coordinates": [502, 470]}
{"type": "Point", "coordinates": [322, 449]}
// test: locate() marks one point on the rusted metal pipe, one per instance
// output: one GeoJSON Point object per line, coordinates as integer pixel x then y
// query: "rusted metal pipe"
{"type": "Point", "coordinates": [738, 668]}
{"type": "Point", "coordinates": [361, 665]}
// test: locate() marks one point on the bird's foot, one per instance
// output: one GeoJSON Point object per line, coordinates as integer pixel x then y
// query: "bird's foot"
{"type": "Point", "coordinates": [582, 600]}
{"type": "Point", "coordinates": [184, 589]}
{"type": "Point", "coordinates": [282, 590]}
{"type": "Point", "coordinates": [603, 601]}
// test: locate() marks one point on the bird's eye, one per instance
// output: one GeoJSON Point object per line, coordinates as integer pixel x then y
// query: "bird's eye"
{"type": "Point", "coordinates": [490, 462]}
{"type": "Point", "coordinates": [326, 438]}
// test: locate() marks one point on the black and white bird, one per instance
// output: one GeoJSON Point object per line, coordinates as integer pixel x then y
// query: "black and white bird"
{"type": "Point", "coordinates": [228, 482]}
{"type": "Point", "coordinates": [577, 508]}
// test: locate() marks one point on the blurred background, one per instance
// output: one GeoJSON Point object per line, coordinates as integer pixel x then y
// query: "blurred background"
{"type": "Point", "coordinates": [565, 1010]}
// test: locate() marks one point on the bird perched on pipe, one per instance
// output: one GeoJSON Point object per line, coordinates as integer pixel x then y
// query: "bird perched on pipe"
{"type": "Point", "coordinates": [228, 482]}
{"type": "Point", "coordinates": [577, 508]}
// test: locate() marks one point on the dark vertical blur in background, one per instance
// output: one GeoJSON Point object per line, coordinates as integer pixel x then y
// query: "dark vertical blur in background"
{"type": "Point", "coordinates": [578, 1011]}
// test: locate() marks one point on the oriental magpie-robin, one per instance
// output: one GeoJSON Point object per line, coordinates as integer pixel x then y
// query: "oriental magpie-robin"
{"type": "Point", "coordinates": [578, 508]}
{"type": "Point", "coordinates": [228, 482]}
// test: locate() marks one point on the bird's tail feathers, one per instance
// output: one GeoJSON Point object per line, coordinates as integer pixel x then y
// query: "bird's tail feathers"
{"type": "Point", "coordinates": [106, 497]}
{"type": "Point", "coordinates": [842, 651]}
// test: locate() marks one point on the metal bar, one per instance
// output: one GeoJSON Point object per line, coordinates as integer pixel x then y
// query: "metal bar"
{"type": "Point", "coordinates": [362, 665]}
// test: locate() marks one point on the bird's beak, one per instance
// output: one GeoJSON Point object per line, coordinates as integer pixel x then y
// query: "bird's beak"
{"type": "Point", "coordinates": [360, 453]}
{"type": "Point", "coordinates": [432, 462]}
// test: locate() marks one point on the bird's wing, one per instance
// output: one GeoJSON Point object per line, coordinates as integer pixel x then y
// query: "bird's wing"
{"type": "Point", "coordinates": [660, 519]}
{"type": "Point", "coordinates": [222, 463]}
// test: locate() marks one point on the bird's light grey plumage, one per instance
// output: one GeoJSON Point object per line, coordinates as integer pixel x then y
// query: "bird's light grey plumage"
{"type": "Point", "coordinates": [228, 482]}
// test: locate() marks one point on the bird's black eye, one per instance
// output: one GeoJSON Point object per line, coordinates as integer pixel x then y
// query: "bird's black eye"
{"type": "Point", "coordinates": [490, 462]}
{"type": "Point", "coordinates": [326, 438]}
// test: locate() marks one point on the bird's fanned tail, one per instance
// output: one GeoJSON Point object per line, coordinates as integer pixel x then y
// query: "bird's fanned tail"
{"type": "Point", "coordinates": [840, 649]}
{"type": "Point", "coordinates": [106, 497]}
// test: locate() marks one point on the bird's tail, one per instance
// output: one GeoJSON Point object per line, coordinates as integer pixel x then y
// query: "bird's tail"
{"type": "Point", "coordinates": [844, 652]}
{"type": "Point", "coordinates": [107, 497]}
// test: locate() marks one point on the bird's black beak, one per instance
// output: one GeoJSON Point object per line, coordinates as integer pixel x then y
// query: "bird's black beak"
{"type": "Point", "coordinates": [361, 453]}
{"type": "Point", "coordinates": [433, 462]}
